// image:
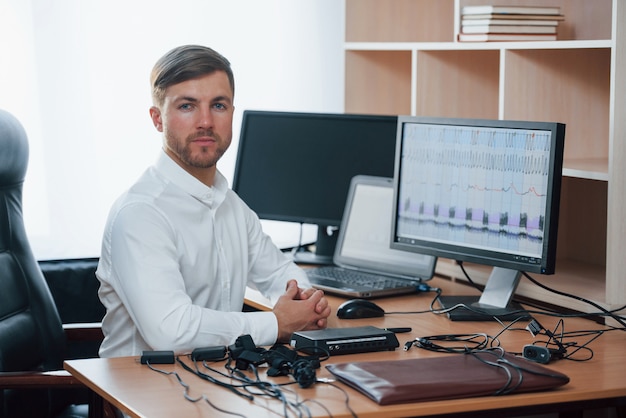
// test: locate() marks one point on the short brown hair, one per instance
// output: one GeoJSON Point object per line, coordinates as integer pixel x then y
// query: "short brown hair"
{"type": "Point", "coordinates": [185, 63]}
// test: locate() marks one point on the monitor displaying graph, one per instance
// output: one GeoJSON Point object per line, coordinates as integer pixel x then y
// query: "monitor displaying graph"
{"type": "Point", "coordinates": [482, 190]}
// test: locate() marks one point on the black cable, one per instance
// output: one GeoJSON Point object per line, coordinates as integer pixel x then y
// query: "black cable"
{"type": "Point", "coordinates": [453, 343]}
{"type": "Point", "coordinates": [258, 387]}
{"type": "Point", "coordinates": [186, 392]}
{"type": "Point", "coordinates": [601, 311]}
{"type": "Point", "coordinates": [231, 387]}
{"type": "Point", "coordinates": [272, 391]}
{"type": "Point", "coordinates": [299, 246]}
{"type": "Point", "coordinates": [562, 346]}
{"type": "Point", "coordinates": [506, 327]}
{"type": "Point", "coordinates": [346, 396]}
{"type": "Point", "coordinates": [506, 388]}
{"type": "Point", "coordinates": [501, 360]}
{"type": "Point", "coordinates": [579, 298]}
{"type": "Point", "coordinates": [302, 369]}
{"type": "Point", "coordinates": [532, 371]}
{"type": "Point", "coordinates": [432, 303]}
{"type": "Point", "coordinates": [266, 388]}
{"type": "Point", "coordinates": [467, 276]}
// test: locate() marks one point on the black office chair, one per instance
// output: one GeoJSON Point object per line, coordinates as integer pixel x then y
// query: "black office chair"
{"type": "Point", "coordinates": [32, 338]}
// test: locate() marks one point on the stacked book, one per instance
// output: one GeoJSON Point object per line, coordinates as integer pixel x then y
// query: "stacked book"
{"type": "Point", "coordinates": [509, 23]}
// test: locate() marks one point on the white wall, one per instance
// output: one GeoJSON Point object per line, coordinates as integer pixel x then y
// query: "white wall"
{"type": "Point", "coordinates": [76, 74]}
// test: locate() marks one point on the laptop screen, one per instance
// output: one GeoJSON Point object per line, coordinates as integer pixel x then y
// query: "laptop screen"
{"type": "Point", "coordinates": [364, 238]}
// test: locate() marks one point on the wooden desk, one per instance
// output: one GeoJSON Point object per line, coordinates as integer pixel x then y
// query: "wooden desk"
{"type": "Point", "coordinates": [141, 392]}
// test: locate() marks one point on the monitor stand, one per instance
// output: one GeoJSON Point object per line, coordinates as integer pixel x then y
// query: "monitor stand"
{"type": "Point", "coordinates": [495, 300]}
{"type": "Point", "coordinates": [324, 247]}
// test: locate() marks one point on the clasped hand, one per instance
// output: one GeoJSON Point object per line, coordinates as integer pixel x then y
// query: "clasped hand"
{"type": "Point", "coordinates": [300, 309]}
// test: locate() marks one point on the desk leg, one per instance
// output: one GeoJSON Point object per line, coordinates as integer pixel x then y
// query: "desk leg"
{"type": "Point", "coordinates": [96, 405]}
{"type": "Point", "coordinates": [99, 408]}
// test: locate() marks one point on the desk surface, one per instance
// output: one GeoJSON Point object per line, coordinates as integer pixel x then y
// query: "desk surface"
{"type": "Point", "coordinates": [139, 391]}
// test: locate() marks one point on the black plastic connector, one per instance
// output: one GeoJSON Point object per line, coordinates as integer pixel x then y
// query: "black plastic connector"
{"type": "Point", "coordinates": [209, 353]}
{"type": "Point", "coordinates": [157, 357]}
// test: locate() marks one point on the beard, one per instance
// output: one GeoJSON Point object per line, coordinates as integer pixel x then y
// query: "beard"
{"type": "Point", "coordinates": [200, 157]}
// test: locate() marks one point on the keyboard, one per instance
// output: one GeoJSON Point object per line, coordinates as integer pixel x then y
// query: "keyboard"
{"type": "Point", "coordinates": [360, 278]}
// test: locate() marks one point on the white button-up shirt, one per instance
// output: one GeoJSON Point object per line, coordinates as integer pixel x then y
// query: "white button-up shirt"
{"type": "Point", "coordinates": [176, 259]}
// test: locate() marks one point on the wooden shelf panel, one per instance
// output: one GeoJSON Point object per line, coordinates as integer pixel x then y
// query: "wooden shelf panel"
{"type": "Point", "coordinates": [378, 82]}
{"type": "Point", "coordinates": [584, 19]}
{"type": "Point", "coordinates": [569, 86]}
{"type": "Point", "coordinates": [587, 168]}
{"type": "Point", "coordinates": [458, 84]}
{"type": "Point", "coordinates": [564, 85]}
{"type": "Point", "coordinates": [399, 20]}
{"type": "Point", "coordinates": [475, 46]}
{"type": "Point", "coordinates": [434, 20]}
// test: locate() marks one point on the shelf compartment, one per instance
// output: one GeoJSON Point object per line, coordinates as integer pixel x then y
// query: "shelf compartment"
{"type": "Point", "coordinates": [584, 19]}
{"type": "Point", "coordinates": [399, 20]}
{"type": "Point", "coordinates": [457, 84]}
{"type": "Point", "coordinates": [563, 85]}
{"type": "Point", "coordinates": [583, 221]}
{"type": "Point", "coordinates": [378, 82]}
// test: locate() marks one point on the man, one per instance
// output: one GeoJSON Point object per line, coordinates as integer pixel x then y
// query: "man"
{"type": "Point", "coordinates": [180, 247]}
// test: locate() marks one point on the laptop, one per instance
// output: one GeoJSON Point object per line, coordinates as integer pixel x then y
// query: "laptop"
{"type": "Point", "coordinates": [363, 248]}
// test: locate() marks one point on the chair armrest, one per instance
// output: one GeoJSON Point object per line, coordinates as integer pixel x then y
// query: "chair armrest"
{"type": "Point", "coordinates": [91, 331]}
{"type": "Point", "coordinates": [37, 380]}
{"type": "Point", "coordinates": [57, 378]}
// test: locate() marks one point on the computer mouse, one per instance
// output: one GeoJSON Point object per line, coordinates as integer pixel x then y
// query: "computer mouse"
{"type": "Point", "coordinates": [359, 308]}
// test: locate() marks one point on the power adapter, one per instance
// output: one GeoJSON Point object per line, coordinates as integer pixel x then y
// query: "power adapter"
{"type": "Point", "coordinates": [157, 357]}
{"type": "Point", "coordinates": [209, 353]}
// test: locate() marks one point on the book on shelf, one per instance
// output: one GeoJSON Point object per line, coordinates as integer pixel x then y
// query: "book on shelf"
{"type": "Point", "coordinates": [499, 37]}
{"type": "Point", "coordinates": [479, 22]}
{"type": "Point", "coordinates": [509, 23]}
{"type": "Point", "coordinates": [527, 10]}
{"type": "Point", "coordinates": [514, 17]}
{"type": "Point", "coordinates": [528, 29]}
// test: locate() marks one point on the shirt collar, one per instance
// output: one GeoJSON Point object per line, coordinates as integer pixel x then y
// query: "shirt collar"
{"type": "Point", "coordinates": [211, 196]}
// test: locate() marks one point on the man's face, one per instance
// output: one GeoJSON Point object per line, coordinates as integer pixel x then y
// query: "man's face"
{"type": "Point", "coordinates": [196, 120]}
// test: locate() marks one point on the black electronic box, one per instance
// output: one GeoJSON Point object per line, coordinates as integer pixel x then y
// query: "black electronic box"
{"type": "Point", "coordinates": [344, 340]}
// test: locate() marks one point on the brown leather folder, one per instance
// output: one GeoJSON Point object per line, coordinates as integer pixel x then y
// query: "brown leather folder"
{"type": "Point", "coordinates": [450, 376]}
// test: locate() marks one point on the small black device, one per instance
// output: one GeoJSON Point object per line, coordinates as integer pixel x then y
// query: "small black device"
{"type": "Point", "coordinates": [284, 361]}
{"type": "Point", "coordinates": [157, 357]}
{"type": "Point", "coordinates": [344, 340]}
{"type": "Point", "coordinates": [359, 308]}
{"type": "Point", "coordinates": [209, 353]}
{"type": "Point", "coordinates": [540, 354]}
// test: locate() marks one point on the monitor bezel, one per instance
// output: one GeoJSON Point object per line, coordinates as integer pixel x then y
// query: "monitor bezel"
{"type": "Point", "coordinates": [547, 263]}
{"type": "Point", "coordinates": [327, 226]}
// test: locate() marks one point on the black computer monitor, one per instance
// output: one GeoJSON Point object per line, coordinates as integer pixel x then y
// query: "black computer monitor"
{"type": "Point", "coordinates": [482, 191]}
{"type": "Point", "coordinates": [297, 167]}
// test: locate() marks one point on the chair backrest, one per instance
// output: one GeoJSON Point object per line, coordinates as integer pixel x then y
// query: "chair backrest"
{"type": "Point", "coordinates": [31, 333]}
